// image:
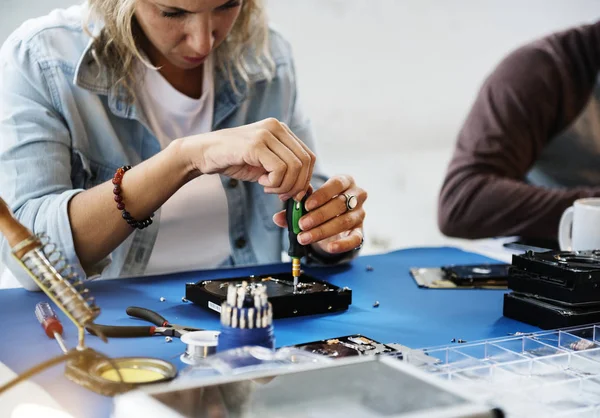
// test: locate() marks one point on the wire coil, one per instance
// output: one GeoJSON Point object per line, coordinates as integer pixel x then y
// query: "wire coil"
{"type": "Point", "coordinates": [199, 345]}
{"type": "Point", "coordinates": [59, 279]}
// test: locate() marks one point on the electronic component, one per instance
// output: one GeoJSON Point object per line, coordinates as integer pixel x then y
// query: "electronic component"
{"type": "Point", "coordinates": [469, 276]}
{"type": "Point", "coordinates": [569, 277]}
{"type": "Point", "coordinates": [545, 314]}
{"type": "Point", "coordinates": [311, 296]}
{"type": "Point", "coordinates": [554, 288]}
{"type": "Point", "coordinates": [347, 346]}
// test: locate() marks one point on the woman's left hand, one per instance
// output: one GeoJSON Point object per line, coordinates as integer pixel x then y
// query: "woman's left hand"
{"type": "Point", "coordinates": [334, 223]}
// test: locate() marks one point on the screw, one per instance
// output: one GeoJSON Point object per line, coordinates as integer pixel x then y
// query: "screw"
{"type": "Point", "coordinates": [329, 308]}
{"type": "Point", "coordinates": [453, 340]}
{"type": "Point", "coordinates": [461, 341]}
{"type": "Point", "coordinates": [581, 345]}
{"type": "Point", "coordinates": [295, 312]}
{"type": "Point", "coordinates": [184, 300]}
{"type": "Point", "coordinates": [370, 268]}
{"type": "Point", "coordinates": [162, 299]}
{"type": "Point", "coordinates": [168, 339]}
{"type": "Point", "coordinates": [376, 304]}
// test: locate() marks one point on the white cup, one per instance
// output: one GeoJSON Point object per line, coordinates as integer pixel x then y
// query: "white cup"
{"type": "Point", "coordinates": [579, 227]}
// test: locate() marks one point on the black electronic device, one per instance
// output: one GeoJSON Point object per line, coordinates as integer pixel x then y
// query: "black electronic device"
{"type": "Point", "coordinates": [568, 276]}
{"type": "Point", "coordinates": [554, 289]}
{"type": "Point", "coordinates": [464, 275]}
{"type": "Point", "coordinates": [347, 346]}
{"type": "Point", "coordinates": [551, 287]}
{"type": "Point", "coordinates": [566, 268]}
{"type": "Point", "coordinates": [311, 297]}
{"type": "Point", "coordinates": [548, 314]}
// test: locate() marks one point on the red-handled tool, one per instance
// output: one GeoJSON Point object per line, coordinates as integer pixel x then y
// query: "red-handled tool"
{"type": "Point", "coordinates": [50, 322]}
{"type": "Point", "coordinates": [161, 326]}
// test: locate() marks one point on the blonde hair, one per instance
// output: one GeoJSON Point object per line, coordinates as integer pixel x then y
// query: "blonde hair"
{"type": "Point", "coordinates": [115, 48]}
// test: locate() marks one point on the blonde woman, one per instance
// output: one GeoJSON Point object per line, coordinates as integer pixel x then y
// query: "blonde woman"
{"type": "Point", "coordinates": [152, 136]}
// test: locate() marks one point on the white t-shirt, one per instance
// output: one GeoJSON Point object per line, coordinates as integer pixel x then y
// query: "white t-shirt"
{"type": "Point", "coordinates": [194, 223]}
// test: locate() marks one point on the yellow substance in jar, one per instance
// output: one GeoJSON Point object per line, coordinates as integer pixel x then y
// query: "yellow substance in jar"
{"type": "Point", "coordinates": [132, 375]}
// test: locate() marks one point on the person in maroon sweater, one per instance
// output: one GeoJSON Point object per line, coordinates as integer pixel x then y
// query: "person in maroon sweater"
{"type": "Point", "coordinates": [530, 145]}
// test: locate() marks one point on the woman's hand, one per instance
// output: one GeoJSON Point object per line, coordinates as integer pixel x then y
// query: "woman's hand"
{"type": "Point", "coordinates": [267, 152]}
{"type": "Point", "coordinates": [334, 223]}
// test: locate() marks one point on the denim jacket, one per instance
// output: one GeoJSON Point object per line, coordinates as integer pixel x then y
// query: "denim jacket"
{"type": "Point", "coordinates": [64, 129]}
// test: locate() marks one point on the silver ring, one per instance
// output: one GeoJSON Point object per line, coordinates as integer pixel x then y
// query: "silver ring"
{"type": "Point", "coordinates": [351, 201]}
{"type": "Point", "coordinates": [362, 242]}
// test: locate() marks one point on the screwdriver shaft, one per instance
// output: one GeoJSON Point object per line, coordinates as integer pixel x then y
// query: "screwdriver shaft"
{"type": "Point", "coordinates": [61, 342]}
{"type": "Point", "coordinates": [296, 272]}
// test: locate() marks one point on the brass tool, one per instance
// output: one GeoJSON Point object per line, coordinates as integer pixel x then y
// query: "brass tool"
{"type": "Point", "coordinates": [45, 264]}
{"type": "Point", "coordinates": [50, 271]}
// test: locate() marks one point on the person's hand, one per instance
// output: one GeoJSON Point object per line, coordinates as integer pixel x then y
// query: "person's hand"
{"type": "Point", "coordinates": [267, 152]}
{"type": "Point", "coordinates": [334, 223]}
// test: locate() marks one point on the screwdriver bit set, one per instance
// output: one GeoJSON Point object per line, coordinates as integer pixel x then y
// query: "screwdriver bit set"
{"type": "Point", "coordinates": [246, 317]}
{"type": "Point", "coordinates": [247, 307]}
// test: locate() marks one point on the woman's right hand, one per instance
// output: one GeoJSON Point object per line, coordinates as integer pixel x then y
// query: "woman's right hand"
{"type": "Point", "coordinates": [266, 151]}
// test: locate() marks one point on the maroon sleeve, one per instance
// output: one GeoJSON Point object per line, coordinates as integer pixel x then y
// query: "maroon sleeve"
{"type": "Point", "coordinates": [535, 93]}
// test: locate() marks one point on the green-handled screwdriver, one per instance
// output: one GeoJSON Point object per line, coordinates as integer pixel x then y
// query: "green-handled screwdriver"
{"type": "Point", "coordinates": [294, 211]}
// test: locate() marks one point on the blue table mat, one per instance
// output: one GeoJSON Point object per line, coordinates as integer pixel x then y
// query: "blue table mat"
{"type": "Point", "coordinates": [406, 314]}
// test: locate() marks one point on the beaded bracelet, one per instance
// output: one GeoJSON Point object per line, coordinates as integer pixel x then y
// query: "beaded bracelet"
{"type": "Point", "coordinates": [121, 206]}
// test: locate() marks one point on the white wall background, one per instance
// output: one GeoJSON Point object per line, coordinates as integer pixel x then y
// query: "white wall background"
{"type": "Point", "coordinates": [388, 83]}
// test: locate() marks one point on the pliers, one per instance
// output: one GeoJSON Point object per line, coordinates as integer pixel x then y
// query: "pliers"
{"type": "Point", "coordinates": [162, 326]}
